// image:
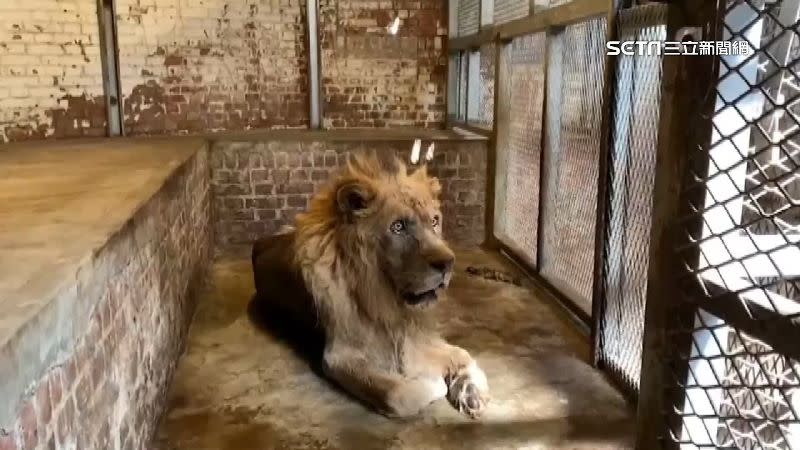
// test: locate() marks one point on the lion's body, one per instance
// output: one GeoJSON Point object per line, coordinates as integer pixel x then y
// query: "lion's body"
{"type": "Point", "coordinates": [340, 271]}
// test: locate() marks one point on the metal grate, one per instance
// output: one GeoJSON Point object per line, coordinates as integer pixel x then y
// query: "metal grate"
{"type": "Point", "coordinates": [539, 5]}
{"type": "Point", "coordinates": [739, 392]}
{"type": "Point", "coordinates": [519, 145]}
{"type": "Point", "coordinates": [469, 15]}
{"type": "Point", "coordinates": [508, 10]}
{"type": "Point", "coordinates": [574, 114]}
{"type": "Point", "coordinates": [481, 86]}
{"type": "Point", "coordinates": [742, 269]}
{"type": "Point", "coordinates": [631, 175]}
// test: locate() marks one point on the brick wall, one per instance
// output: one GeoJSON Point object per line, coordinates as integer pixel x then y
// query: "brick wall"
{"type": "Point", "coordinates": [109, 391]}
{"type": "Point", "coordinates": [373, 79]}
{"type": "Point", "coordinates": [51, 82]}
{"type": "Point", "coordinates": [207, 65]}
{"type": "Point", "coordinates": [260, 186]}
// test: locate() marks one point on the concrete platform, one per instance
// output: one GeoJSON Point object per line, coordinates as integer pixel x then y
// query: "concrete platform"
{"type": "Point", "coordinates": [241, 387]}
{"type": "Point", "coordinates": [60, 204]}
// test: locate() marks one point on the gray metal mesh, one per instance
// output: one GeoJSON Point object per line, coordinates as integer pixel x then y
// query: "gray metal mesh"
{"type": "Point", "coordinates": [539, 5]}
{"type": "Point", "coordinates": [740, 387]}
{"type": "Point", "coordinates": [519, 145]}
{"type": "Point", "coordinates": [631, 174]}
{"type": "Point", "coordinates": [453, 78]}
{"type": "Point", "coordinates": [508, 10]}
{"type": "Point", "coordinates": [739, 392]}
{"type": "Point", "coordinates": [481, 86]}
{"type": "Point", "coordinates": [577, 62]}
{"type": "Point", "coordinates": [469, 14]}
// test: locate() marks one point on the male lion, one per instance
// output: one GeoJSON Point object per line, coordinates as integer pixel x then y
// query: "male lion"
{"type": "Point", "coordinates": [364, 264]}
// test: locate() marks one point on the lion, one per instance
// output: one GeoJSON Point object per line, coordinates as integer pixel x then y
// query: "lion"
{"type": "Point", "coordinates": [365, 266]}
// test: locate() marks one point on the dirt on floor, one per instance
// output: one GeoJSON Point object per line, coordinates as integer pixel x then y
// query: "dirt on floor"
{"type": "Point", "coordinates": [240, 386]}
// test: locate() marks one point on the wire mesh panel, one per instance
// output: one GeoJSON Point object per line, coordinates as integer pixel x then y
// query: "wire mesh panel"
{"type": "Point", "coordinates": [574, 115]}
{"type": "Point", "coordinates": [740, 393]}
{"type": "Point", "coordinates": [508, 10]}
{"type": "Point", "coordinates": [453, 87]}
{"type": "Point", "coordinates": [631, 173]}
{"type": "Point", "coordinates": [487, 12]}
{"type": "Point", "coordinates": [469, 14]}
{"type": "Point", "coordinates": [519, 145]}
{"type": "Point", "coordinates": [539, 5]}
{"type": "Point", "coordinates": [738, 384]}
{"type": "Point", "coordinates": [480, 110]}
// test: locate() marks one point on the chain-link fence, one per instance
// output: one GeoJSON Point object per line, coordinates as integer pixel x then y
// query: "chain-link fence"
{"type": "Point", "coordinates": [631, 170]}
{"type": "Point", "coordinates": [730, 337]}
{"type": "Point", "coordinates": [519, 145]}
{"type": "Point", "coordinates": [480, 86]}
{"type": "Point", "coordinates": [737, 385]}
{"type": "Point", "coordinates": [576, 69]}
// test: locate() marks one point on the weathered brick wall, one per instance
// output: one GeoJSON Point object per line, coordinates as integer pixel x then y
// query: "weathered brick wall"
{"type": "Point", "coordinates": [109, 391]}
{"type": "Point", "coordinates": [260, 186]}
{"type": "Point", "coordinates": [51, 81]}
{"type": "Point", "coordinates": [371, 78]}
{"type": "Point", "coordinates": [208, 65]}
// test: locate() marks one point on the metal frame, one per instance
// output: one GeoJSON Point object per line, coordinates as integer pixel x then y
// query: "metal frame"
{"type": "Point", "coordinates": [558, 16]}
{"type": "Point", "coordinates": [547, 20]}
{"type": "Point", "coordinates": [110, 68]}
{"type": "Point", "coordinates": [314, 66]}
{"type": "Point", "coordinates": [598, 296]}
{"type": "Point", "coordinates": [686, 83]}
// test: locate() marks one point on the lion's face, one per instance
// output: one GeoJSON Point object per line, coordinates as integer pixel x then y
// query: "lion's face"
{"type": "Point", "coordinates": [413, 254]}
{"type": "Point", "coordinates": [399, 215]}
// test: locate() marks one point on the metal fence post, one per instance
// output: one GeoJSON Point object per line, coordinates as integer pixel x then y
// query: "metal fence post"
{"type": "Point", "coordinates": [687, 86]}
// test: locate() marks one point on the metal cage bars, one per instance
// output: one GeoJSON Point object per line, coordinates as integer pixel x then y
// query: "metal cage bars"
{"type": "Point", "coordinates": [720, 366]}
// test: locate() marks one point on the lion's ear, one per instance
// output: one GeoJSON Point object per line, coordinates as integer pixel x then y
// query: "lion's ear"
{"type": "Point", "coordinates": [354, 198]}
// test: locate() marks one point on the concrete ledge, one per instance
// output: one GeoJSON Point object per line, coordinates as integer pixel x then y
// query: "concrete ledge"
{"type": "Point", "coordinates": [93, 238]}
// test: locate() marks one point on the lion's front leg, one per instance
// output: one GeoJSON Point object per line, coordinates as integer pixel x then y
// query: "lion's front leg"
{"type": "Point", "coordinates": [467, 386]}
{"type": "Point", "coordinates": [468, 390]}
{"type": "Point", "coordinates": [391, 394]}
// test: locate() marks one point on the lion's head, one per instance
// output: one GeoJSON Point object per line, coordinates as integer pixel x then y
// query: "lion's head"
{"type": "Point", "coordinates": [384, 225]}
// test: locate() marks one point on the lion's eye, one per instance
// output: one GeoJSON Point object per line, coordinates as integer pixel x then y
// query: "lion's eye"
{"type": "Point", "coordinates": [398, 226]}
{"type": "Point", "coordinates": [435, 221]}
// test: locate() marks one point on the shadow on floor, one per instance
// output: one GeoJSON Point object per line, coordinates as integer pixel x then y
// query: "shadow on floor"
{"type": "Point", "coordinates": [248, 381]}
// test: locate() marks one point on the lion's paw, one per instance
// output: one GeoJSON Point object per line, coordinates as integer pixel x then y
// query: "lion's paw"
{"type": "Point", "coordinates": [468, 391]}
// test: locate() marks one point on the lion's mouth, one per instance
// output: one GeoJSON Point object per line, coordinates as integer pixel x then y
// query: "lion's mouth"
{"type": "Point", "coordinates": [423, 297]}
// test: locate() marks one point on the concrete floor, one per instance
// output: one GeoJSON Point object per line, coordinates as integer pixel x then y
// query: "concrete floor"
{"type": "Point", "coordinates": [240, 387]}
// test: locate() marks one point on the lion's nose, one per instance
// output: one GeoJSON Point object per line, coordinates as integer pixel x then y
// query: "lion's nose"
{"type": "Point", "coordinates": [443, 265]}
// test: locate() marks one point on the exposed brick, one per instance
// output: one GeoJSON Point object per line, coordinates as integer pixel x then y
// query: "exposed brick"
{"type": "Point", "coordinates": [264, 189]}
{"type": "Point", "coordinates": [276, 204]}
{"type": "Point", "coordinates": [199, 77]}
{"type": "Point", "coordinates": [27, 425]}
{"type": "Point", "coordinates": [50, 444]}
{"type": "Point", "coordinates": [359, 58]}
{"type": "Point", "coordinates": [7, 441]}
{"type": "Point", "coordinates": [296, 188]}
{"type": "Point", "coordinates": [280, 176]}
{"type": "Point", "coordinates": [44, 408]}
{"type": "Point", "coordinates": [319, 175]}
{"type": "Point", "coordinates": [84, 389]}
{"type": "Point", "coordinates": [57, 80]}
{"type": "Point", "coordinates": [98, 365]}
{"type": "Point", "coordinates": [56, 385]}
{"type": "Point", "coordinates": [296, 201]}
